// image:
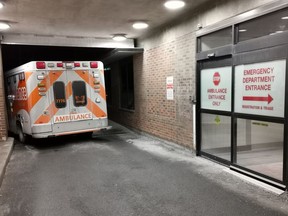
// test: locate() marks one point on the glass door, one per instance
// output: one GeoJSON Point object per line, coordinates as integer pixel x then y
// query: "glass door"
{"type": "Point", "coordinates": [259, 112]}
{"type": "Point", "coordinates": [214, 108]}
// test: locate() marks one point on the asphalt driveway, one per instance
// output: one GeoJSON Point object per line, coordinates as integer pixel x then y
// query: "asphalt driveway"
{"type": "Point", "coordinates": [124, 173]}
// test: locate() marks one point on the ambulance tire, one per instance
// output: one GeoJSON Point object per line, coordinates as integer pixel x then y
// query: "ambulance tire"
{"type": "Point", "coordinates": [21, 136]}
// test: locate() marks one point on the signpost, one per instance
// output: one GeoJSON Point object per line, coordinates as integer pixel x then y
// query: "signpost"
{"type": "Point", "coordinates": [260, 88]}
{"type": "Point", "coordinates": [216, 88]}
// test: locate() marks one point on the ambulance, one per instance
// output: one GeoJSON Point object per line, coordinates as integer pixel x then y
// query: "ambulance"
{"type": "Point", "coordinates": [54, 98]}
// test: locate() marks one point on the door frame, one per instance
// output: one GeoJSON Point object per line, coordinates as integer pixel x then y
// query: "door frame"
{"type": "Point", "coordinates": [254, 56]}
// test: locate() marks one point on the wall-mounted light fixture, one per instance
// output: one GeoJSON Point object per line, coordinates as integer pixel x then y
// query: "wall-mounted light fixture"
{"type": "Point", "coordinates": [4, 26]}
{"type": "Point", "coordinates": [119, 37]}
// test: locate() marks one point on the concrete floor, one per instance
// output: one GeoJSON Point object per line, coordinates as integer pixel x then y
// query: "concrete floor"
{"type": "Point", "coordinates": [123, 173]}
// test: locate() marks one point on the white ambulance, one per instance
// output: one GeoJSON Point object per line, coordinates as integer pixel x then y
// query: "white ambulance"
{"type": "Point", "coordinates": [53, 98]}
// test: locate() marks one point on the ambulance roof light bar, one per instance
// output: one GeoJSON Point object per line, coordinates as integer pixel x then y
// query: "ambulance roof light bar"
{"type": "Point", "coordinates": [40, 65]}
{"type": "Point", "coordinates": [60, 65]}
{"type": "Point", "coordinates": [94, 64]}
{"type": "Point", "coordinates": [69, 65]}
{"type": "Point", "coordinates": [76, 64]}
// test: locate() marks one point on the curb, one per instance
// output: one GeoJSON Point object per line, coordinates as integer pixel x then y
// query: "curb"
{"type": "Point", "coordinates": [6, 148]}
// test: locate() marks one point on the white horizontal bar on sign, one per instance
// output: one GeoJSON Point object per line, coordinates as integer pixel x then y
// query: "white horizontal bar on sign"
{"type": "Point", "coordinates": [51, 40]}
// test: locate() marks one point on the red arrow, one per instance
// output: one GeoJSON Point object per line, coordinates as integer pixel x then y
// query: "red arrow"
{"type": "Point", "coordinates": [269, 99]}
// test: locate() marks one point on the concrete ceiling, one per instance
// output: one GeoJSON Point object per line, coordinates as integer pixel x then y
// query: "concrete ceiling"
{"type": "Point", "coordinates": [87, 18]}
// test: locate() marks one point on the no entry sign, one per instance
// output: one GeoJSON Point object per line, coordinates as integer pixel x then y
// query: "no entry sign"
{"type": "Point", "coordinates": [216, 88]}
{"type": "Point", "coordinates": [260, 88]}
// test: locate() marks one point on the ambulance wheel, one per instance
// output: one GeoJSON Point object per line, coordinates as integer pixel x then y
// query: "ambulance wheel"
{"type": "Point", "coordinates": [21, 136]}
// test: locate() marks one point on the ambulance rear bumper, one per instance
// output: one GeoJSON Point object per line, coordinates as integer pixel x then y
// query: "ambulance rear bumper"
{"type": "Point", "coordinates": [71, 128]}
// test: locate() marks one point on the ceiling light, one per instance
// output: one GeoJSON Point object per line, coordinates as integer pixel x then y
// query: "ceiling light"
{"type": "Point", "coordinates": [119, 37]}
{"type": "Point", "coordinates": [140, 25]}
{"type": "Point", "coordinates": [242, 30]}
{"type": "Point", "coordinates": [277, 32]}
{"type": "Point", "coordinates": [4, 26]}
{"type": "Point", "coordinates": [285, 18]}
{"type": "Point", "coordinates": [174, 4]}
{"type": "Point", "coordinates": [1, 5]}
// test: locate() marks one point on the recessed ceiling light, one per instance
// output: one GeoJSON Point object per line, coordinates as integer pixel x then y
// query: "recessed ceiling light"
{"type": "Point", "coordinates": [174, 4]}
{"type": "Point", "coordinates": [1, 5]}
{"type": "Point", "coordinates": [4, 26]}
{"type": "Point", "coordinates": [242, 30]}
{"type": "Point", "coordinates": [140, 25]}
{"type": "Point", "coordinates": [285, 18]}
{"type": "Point", "coordinates": [119, 37]}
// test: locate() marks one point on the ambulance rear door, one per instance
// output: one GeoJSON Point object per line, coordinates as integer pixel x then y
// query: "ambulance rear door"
{"type": "Point", "coordinates": [61, 94]}
{"type": "Point", "coordinates": [80, 95]}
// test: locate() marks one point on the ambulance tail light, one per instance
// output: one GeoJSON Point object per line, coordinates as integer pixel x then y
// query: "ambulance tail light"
{"type": "Point", "coordinates": [60, 65]}
{"type": "Point", "coordinates": [76, 64]}
{"type": "Point", "coordinates": [40, 65]}
{"type": "Point", "coordinates": [94, 64]}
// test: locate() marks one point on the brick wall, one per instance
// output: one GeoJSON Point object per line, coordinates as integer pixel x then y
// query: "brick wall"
{"type": "Point", "coordinates": [3, 112]}
{"type": "Point", "coordinates": [154, 114]}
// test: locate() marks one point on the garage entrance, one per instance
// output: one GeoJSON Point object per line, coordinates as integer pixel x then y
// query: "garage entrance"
{"type": "Point", "coordinates": [17, 51]}
{"type": "Point", "coordinates": [242, 96]}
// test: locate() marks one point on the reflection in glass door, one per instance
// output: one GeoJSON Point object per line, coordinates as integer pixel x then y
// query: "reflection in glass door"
{"type": "Point", "coordinates": [216, 135]}
{"type": "Point", "coordinates": [260, 147]}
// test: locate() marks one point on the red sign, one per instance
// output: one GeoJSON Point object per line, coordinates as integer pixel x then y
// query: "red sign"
{"type": "Point", "coordinates": [268, 99]}
{"type": "Point", "coordinates": [216, 78]}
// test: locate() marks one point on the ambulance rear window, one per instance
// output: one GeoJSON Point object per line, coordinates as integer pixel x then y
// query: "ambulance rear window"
{"type": "Point", "coordinates": [59, 94]}
{"type": "Point", "coordinates": [79, 93]}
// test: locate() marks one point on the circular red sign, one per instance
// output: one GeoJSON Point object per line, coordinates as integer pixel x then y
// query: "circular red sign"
{"type": "Point", "coordinates": [216, 78]}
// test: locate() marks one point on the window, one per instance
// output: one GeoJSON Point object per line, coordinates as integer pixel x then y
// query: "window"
{"type": "Point", "coordinates": [216, 39]}
{"type": "Point", "coordinates": [270, 24]}
{"type": "Point", "coordinates": [127, 84]}
{"type": "Point", "coordinates": [21, 76]}
{"type": "Point", "coordinates": [260, 147]}
{"type": "Point", "coordinates": [216, 135]}
{"type": "Point", "coordinates": [59, 94]}
{"type": "Point", "coordinates": [79, 93]}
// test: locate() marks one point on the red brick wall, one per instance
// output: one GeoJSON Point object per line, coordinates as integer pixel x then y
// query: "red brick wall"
{"type": "Point", "coordinates": [154, 114]}
{"type": "Point", "coordinates": [3, 112]}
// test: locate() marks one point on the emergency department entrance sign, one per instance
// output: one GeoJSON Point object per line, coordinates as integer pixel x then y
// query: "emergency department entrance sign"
{"type": "Point", "coordinates": [216, 88]}
{"type": "Point", "coordinates": [260, 88]}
